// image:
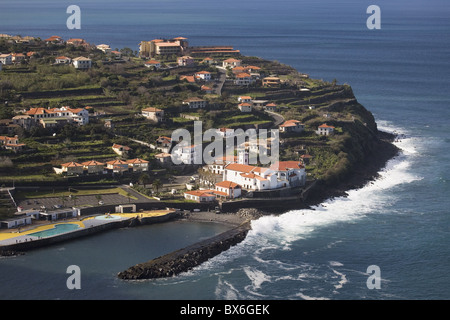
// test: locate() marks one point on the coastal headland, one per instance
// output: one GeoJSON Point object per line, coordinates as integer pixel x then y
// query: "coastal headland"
{"type": "Point", "coordinates": [109, 124]}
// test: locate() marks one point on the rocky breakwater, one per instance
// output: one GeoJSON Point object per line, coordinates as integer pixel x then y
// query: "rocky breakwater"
{"type": "Point", "coordinates": [187, 258]}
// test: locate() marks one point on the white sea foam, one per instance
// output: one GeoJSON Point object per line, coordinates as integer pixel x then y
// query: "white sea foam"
{"type": "Point", "coordinates": [279, 232]}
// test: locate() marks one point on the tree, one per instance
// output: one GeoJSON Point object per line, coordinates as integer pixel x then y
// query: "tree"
{"type": "Point", "coordinates": [144, 178]}
{"type": "Point", "coordinates": [156, 184]}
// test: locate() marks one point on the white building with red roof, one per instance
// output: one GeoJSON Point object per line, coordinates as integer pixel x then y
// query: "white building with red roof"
{"type": "Point", "coordinates": [228, 190]}
{"type": "Point", "coordinates": [292, 126]}
{"type": "Point", "coordinates": [325, 130]}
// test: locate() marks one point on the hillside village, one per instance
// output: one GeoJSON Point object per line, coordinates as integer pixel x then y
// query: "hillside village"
{"type": "Point", "coordinates": [75, 113]}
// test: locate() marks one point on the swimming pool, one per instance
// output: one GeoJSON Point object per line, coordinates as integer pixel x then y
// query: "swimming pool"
{"type": "Point", "coordinates": [57, 229]}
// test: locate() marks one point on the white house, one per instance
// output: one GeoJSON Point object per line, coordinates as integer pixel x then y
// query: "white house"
{"type": "Point", "coordinates": [219, 164]}
{"type": "Point", "coordinates": [63, 60]}
{"type": "Point", "coordinates": [250, 177]}
{"type": "Point", "coordinates": [105, 48]}
{"type": "Point", "coordinates": [200, 195]}
{"type": "Point", "coordinates": [185, 61]}
{"type": "Point", "coordinates": [82, 63]}
{"type": "Point", "coordinates": [120, 149]}
{"type": "Point", "coordinates": [243, 79]}
{"type": "Point", "coordinates": [186, 154]}
{"type": "Point", "coordinates": [232, 63]}
{"type": "Point", "coordinates": [203, 75]}
{"type": "Point", "coordinates": [245, 107]}
{"type": "Point", "coordinates": [245, 99]}
{"type": "Point", "coordinates": [228, 189]}
{"type": "Point", "coordinates": [154, 114]}
{"type": "Point", "coordinates": [289, 173]}
{"type": "Point", "coordinates": [6, 59]}
{"type": "Point", "coordinates": [195, 103]}
{"type": "Point", "coordinates": [153, 64]}
{"type": "Point", "coordinates": [325, 130]}
{"type": "Point", "coordinates": [138, 165]}
{"type": "Point", "coordinates": [292, 126]}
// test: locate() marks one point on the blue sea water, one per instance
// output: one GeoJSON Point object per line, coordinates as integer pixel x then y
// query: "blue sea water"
{"type": "Point", "coordinates": [399, 223]}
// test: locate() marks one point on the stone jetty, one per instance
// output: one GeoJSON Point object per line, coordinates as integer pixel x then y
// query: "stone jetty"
{"type": "Point", "coordinates": [187, 258]}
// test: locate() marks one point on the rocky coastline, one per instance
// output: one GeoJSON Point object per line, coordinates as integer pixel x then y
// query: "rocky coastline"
{"type": "Point", "coordinates": [187, 258]}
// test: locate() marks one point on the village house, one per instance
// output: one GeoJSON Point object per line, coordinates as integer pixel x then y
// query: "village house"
{"type": "Point", "coordinates": [271, 82]}
{"type": "Point", "coordinates": [117, 166]}
{"type": "Point", "coordinates": [250, 177]}
{"type": "Point", "coordinates": [120, 149]}
{"type": "Point", "coordinates": [228, 190]}
{"type": "Point", "coordinates": [17, 57]}
{"type": "Point", "coordinates": [231, 63]}
{"type": "Point", "coordinates": [138, 165]}
{"type": "Point", "coordinates": [63, 60]}
{"type": "Point", "coordinates": [208, 60]}
{"type": "Point", "coordinates": [153, 64]}
{"type": "Point", "coordinates": [63, 115]}
{"type": "Point", "coordinates": [207, 89]}
{"type": "Point", "coordinates": [289, 173]}
{"type": "Point", "coordinates": [186, 61]}
{"type": "Point", "coordinates": [77, 42]}
{"type": "Point", "coordinates": [245, 107]}
{"type": "Point", "coordinates": [200, 195]}
{"type": "Point", "coordinates": [243, 79]}
{"type": "Point", "coordinates": [186, 154]}
{"type": "Point", "coordinates": [292, 126]}
{"type": "Point", "coordinates": [6, 59]}
{"type": "Point", "coordinates": [325, 130]}
{"type": "Point", "coordinates": [272, 107]}
{"type": "Point", "coordinates": [105, 48]}
{"type": "Point", "coordinates": [245, 99]}
{"type": "Point", "coordinates": [164, 158]}
{"type": "Point", "coordinates": [11, 143]}
{"type": "Point", "coordinates": [153, 113]}
{"type": "Point", "coordinates": [203, 75]}
{"type": "Point", "coordinates": [93, 167]}
{"type": "Point", "coordinates": [190, 79]}
{"type": "Point", "coordinates": [72, 168]}
{"type": "Point", "coordinates": [54, 40]}
{"type": "Point", "coordinates": [219, 163]}
{"type": "Point", "coordinates": [116, 54]}
{"type": "Point", "coordinates": [25, 121]}
{"type": "Point", "coordinates": [82, 63]}
{"type": "Point", "coordinates": [195, 103]}
{"type": "Point", "coordinates": [164, 143]}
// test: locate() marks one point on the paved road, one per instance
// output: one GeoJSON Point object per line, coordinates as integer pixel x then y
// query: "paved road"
{"type": "Point", "coordinates": [278, 118]}
{"type": "Point", "coordinates": [222, 78]}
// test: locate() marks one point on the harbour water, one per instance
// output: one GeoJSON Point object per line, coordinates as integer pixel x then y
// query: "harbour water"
{"type": "Point", "coordinates": [399, 222]}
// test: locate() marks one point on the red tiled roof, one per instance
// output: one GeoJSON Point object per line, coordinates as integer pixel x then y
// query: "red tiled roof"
{"type": "Point", "coordinates": [71, 164]}
{"type": "Point", "coordinates": [228, 184]}
{"type": "Point", "coordinates": [325, 126]}
{"type": "Point", "coordinates": [286, 165]}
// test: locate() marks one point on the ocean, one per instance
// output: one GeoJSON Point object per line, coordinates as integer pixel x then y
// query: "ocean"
{"type": "Point", "coordinates": [398, 223]}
